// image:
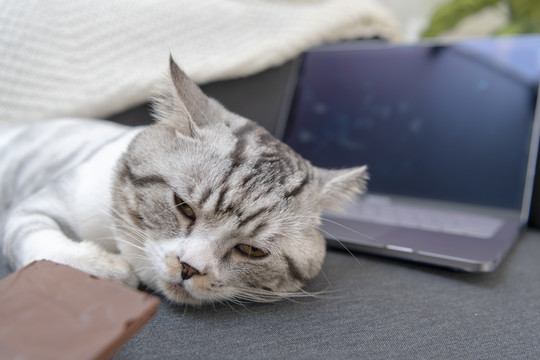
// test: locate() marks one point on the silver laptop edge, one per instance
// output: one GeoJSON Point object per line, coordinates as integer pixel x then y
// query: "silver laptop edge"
{"type": "Point", "coordinates": [531, 166]}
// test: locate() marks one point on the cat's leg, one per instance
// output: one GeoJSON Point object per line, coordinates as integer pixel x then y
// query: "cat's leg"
{"type": "Point", "coordinates": [31, 235]}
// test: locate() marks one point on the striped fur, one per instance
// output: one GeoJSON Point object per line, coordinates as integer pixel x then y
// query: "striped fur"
{"type": "Point", "coordinates": [108, 199]}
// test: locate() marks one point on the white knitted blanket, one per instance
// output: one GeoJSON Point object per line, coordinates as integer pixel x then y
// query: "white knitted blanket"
{"type": "Point", "coordinates": [97, 57]}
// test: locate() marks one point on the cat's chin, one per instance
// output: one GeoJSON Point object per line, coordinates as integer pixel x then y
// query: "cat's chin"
{"type": "Point", "coordinates": [178, 293]}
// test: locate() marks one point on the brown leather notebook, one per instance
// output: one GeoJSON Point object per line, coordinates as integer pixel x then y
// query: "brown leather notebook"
{"type": "Point", "coordinates": [52, 311]}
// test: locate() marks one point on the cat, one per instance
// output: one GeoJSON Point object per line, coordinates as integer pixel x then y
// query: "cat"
{"type": "Point", "coordinates": [203, 205]}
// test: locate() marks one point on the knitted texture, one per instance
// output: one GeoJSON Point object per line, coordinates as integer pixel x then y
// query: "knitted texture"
{"type": "Point", "coordinates": [93, 58]}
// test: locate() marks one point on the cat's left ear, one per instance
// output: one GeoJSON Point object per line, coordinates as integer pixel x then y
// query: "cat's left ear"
{"type": "Point", "coordinates": [341, 186]}
{"type": "Point", "coordinates": [182, 104]}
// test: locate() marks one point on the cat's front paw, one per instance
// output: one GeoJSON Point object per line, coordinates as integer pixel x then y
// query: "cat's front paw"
{"type": "Point", "coordinates": [94, 260]}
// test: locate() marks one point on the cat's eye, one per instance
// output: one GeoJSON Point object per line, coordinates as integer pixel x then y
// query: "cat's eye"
{"type": "Point", "coordinates": [251, 250]}
{"type": "Point", "coordinates": [184, 208]}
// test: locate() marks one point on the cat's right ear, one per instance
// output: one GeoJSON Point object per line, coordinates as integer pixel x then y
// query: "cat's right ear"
{"type": "Point", "coordinates": [181, 104]}
{"type": "Point", "coordinates": [340, 187]}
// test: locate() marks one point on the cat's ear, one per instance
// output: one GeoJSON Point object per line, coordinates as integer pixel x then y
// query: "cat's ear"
{"type": "Point", "coordinates": [341, 186]}
{"type": "Point", "coordinates": [181, 103]}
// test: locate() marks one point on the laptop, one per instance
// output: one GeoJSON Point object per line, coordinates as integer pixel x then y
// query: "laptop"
{"type": "Point", "coordinates": [449, 133]}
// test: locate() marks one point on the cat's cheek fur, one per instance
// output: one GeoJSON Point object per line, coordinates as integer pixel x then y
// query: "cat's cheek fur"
{"type": "Point", "coordinates": [310, 258]}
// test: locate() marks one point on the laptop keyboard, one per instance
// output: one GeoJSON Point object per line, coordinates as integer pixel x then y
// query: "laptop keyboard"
{"type": "Point", "coordinates": [415, 217]}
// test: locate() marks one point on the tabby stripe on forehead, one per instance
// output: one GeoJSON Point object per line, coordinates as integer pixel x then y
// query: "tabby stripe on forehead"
{"type": "Point", "coordinates": [248, 178]}
{"type": "Point", "coordinates": [258, 229]}
{"type": "Point", "coordinates": [240, 146]}
{"type": "Point", "coordinates": [251, 217]}
{"type": "Point", "coordinates": [237, 155]}
{"type": "Point", "coordinates": [221, 196]}
{"type": "Point", "coordinates": [298, 189]}
{"type": "Point", "coordinates": [149, 181]}
{"type": "Point", "coordinates": [141, 181]}
{"type": "Point", "coordinates": [238, 152]}
{"type": "Point", "coordinates": [205, 195]}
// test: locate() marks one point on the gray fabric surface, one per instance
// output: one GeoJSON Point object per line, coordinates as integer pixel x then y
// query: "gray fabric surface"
{"type": "Point", "coordinates": [375, 308]}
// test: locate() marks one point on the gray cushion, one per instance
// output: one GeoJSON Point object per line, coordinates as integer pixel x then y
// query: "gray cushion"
{"type": "Point", "coordinates": [370, 307]}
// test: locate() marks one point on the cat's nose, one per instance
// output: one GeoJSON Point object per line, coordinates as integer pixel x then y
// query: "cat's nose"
{"type": "Point", "coordinates": [188, 271]}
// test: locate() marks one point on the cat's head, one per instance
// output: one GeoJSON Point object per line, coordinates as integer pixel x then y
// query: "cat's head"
{"type": "Point", "coordinates": [209, 206]}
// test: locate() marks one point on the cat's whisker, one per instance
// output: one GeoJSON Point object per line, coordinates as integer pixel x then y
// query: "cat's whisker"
{"type": "Point", "coordinates": [338, 224]}
{"type": "Point", "coordinates": [145, 268]}
{"type": "Point", "coordinates": [132, 233]}
{"type": "Point", "coordinates": [350, 229]}
{"type": "Point", "coordinates": [131, 228]}
{"type": "Point", "coordinates": [141, 257]}
{"type": "Point", "coordinates": [323, 273]}
{"type": "Point", "coordinates": [131, 244]}
{"type": "Point", "coordinates": [344, 247]}
{"type": "Point", "coordinates": [134, 240]}
{"type": "Point", "coordinates": [126, 230]}
{"type": "Point", "coordinates": [229, 303]}
{"type": "Point", "coordinates": [261, 295]}
{"type": "Point", "coordinates": [328, 235]}
{"type": "Point", "coordinates": [138, 238]}
{"type": "Point", "coordinates": [125, 222]}
{"type": "Point", "coordinates": [103, 239]}
{"type": "Point", "coordinates": [107, 238]}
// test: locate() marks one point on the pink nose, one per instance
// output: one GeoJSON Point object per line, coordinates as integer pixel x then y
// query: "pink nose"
{"type": "Point", "coordinates": [188, 271]}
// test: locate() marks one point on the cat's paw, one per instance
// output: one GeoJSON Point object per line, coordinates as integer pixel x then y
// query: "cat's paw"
{"type": "Point", "coordinates": [94, 260]}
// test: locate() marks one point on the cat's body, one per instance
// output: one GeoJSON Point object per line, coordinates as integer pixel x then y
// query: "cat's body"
{"type": "Point", "coordinates": [61, 188]}
{"type": "Point", "coordinates": [204, 205]}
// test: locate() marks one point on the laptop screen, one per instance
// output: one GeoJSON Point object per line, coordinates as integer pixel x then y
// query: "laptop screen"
{"type": "Point", "coordinates": [450, 122]}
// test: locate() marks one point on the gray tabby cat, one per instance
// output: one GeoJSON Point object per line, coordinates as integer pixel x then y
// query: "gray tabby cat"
{"type": "Point", "coordinates": [203, 206]}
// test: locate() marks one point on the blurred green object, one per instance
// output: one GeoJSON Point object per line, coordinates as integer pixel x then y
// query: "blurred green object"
{"type": "Point", "coordinates": [524, 16]}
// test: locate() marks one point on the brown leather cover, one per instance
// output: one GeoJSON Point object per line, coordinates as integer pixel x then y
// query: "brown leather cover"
{"type": "Point", "coordinates": [52, 311]}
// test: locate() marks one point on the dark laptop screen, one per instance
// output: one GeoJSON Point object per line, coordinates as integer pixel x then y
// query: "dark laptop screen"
{"type": "Point", "coordinates": [439, 122]}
